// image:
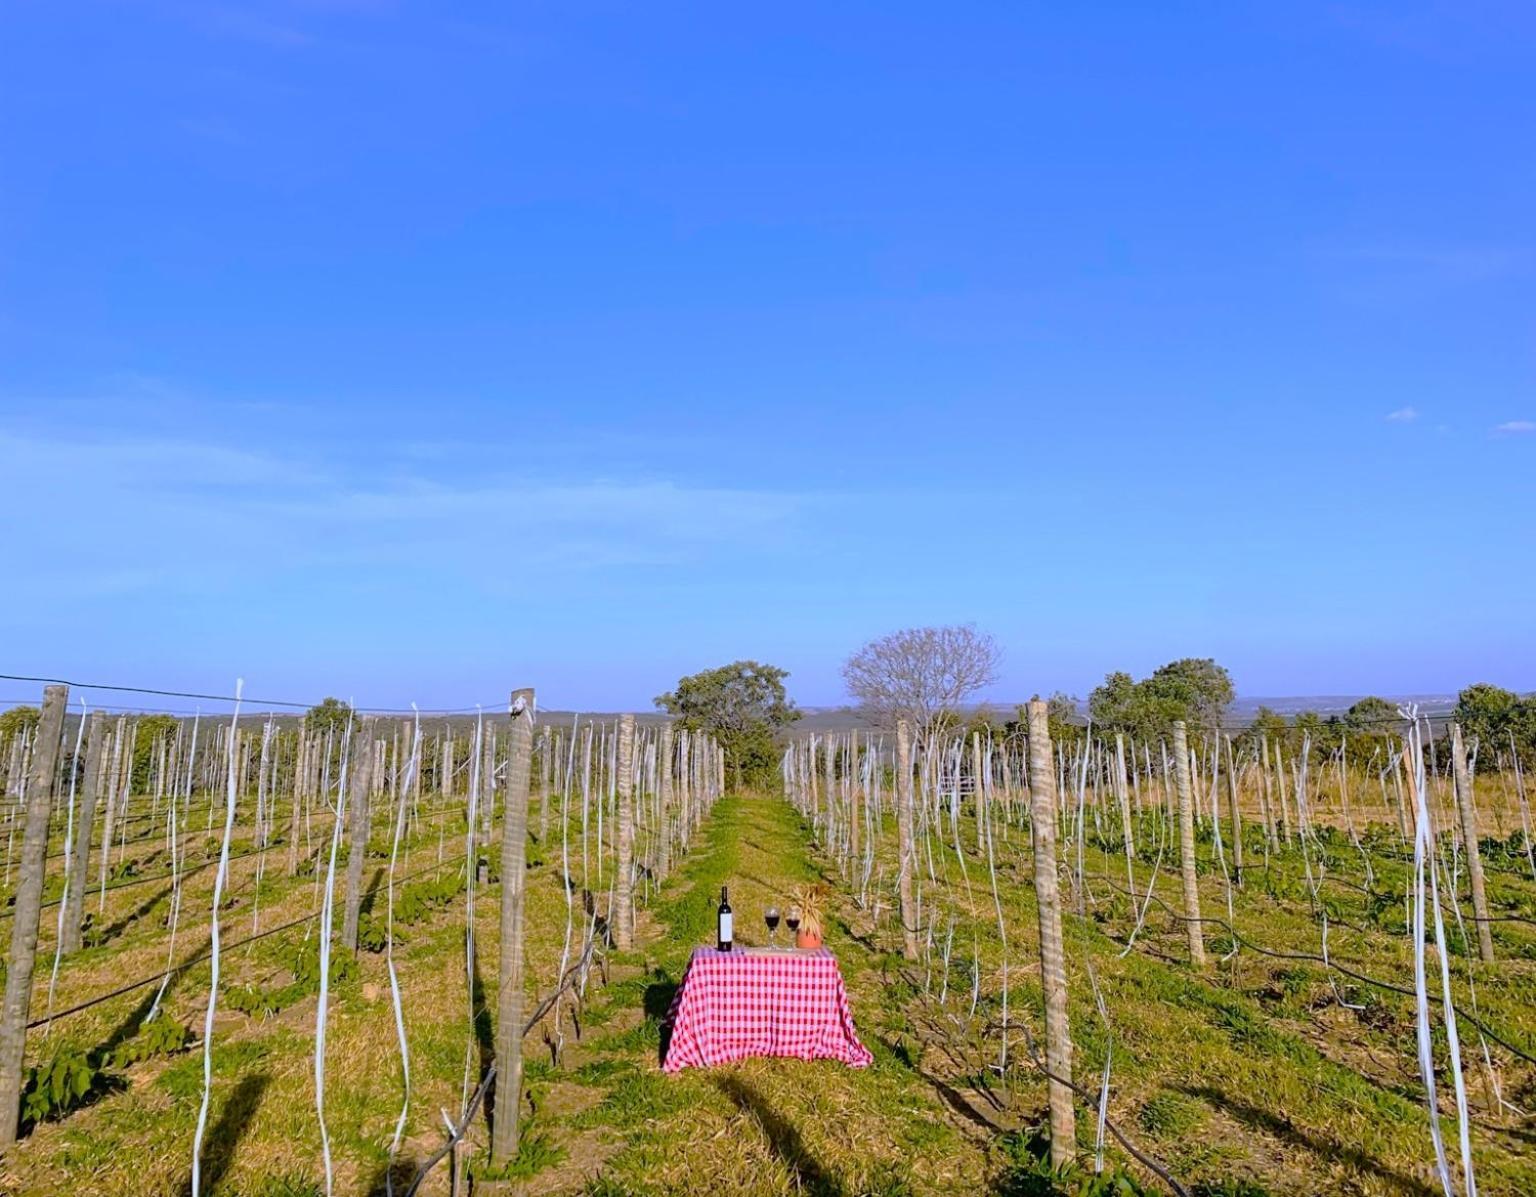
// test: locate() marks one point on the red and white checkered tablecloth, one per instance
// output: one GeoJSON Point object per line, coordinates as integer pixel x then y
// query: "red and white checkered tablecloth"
{"type": "Point", "coordinates": [732, 1005]}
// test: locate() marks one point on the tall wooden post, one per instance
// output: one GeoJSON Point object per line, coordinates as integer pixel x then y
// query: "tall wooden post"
{"type": "Point", "coordinates": [623, 889]}
{"type": "Point", "coordinates": [1468, 810]}
{"type": "Point", "coordinates": [1053, 958]}
{"type": "Point", "coordinates": [1122, 793]}
{"type": "Point", "coordinates": [359, 787]}
{"type": "Point", "coordinates": [1187, 845]}
{"type": "Point", "coordinates": [90, 790]}
{"type": "Point", "coordinates": [25, 911]}
{"type": "Point", "coordinates": [546, 773]}
{"type": "Point", "coordinates": [905, 847]}
{"type": "Point", "coordinates": [514, 883]}
{"type": "Point", "coordinates": [664, 821]}
{"type": "Point", "coordinates": [856, 804]}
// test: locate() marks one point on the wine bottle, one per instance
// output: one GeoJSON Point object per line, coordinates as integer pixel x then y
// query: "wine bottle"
{"type": "Point", "coordinates": [725, 921]}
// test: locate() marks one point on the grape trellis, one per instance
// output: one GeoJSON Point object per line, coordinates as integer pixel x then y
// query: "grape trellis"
{"type": "Point", "coordinates": [1013, 867]}
{"type": "Point", "coordinates": [214, 876]}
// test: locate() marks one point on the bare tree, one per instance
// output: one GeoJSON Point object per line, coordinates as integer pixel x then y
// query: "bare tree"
{"type": "Point", "coordinates": [922, 675]}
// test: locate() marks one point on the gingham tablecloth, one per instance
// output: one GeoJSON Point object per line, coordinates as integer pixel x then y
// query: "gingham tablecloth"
{"type": "Point", "coordinates": [741, 1003]}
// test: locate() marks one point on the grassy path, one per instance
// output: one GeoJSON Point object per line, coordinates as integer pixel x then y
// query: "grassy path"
{"type": "Point", "coordinates": [765, 1126]}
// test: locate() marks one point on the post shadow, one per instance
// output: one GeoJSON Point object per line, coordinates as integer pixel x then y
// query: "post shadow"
{"type": "Point", "coordinates": [1320, 1145]}
{"type": "Point", "coordinates": [810, 1175]}
{"type": "Point", "coordinates": [225, 1135]}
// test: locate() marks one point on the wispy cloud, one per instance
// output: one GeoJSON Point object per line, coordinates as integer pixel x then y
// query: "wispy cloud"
{"type": "Point", "coordinates": [1403, 415]}
{"type": "Point", "coordinates": [1440, 264]}
{"type": "Point", "coordinates": [171, 516]}
{"type": "Point", "coordinates": [1515, 428]}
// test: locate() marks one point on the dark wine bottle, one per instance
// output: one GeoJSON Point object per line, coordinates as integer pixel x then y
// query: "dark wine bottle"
{"type": "Point", "coordinates": [725, 921]}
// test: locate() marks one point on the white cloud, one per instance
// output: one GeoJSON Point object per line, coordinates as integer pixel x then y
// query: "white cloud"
{"type": "Point", "coordinates": [1403, 415]}
{"type": "Point", "coordinates": [1516, 428]}
{"type": "Point", "coordinates": [168, 516]}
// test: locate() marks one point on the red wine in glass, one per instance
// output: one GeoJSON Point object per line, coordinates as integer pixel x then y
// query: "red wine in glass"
{"type": "Point", "coordinates": [793, 918]}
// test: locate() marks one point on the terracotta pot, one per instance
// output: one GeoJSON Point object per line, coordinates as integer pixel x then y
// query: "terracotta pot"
{"type": "Point", "coordinates": [807, 939]}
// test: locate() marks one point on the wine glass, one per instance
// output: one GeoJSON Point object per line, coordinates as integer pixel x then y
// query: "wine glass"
{"type": "Point", "coordinates": [793, 918]}
{"type": "Point", "coordinates": [771, 917]}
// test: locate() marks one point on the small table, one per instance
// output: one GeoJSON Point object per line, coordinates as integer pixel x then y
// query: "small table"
{"type": "Point", "coordinates": [732, 1005]}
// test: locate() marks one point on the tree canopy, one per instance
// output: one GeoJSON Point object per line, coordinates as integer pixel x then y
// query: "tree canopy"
{"type": "Point", "coordinates": [1497, 717]}
{"type": "Point", "coordinates": [1194, 689]}
{"type": "Point", "coordinates": [744, 706]}
{"type": "Point", "coordinates": [19, 719]}
{"type": "Point", "coordinates": [329, 714]}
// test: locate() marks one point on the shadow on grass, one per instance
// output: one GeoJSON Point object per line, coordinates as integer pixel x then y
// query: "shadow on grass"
{"type": "Point", "coordinates": [809, 1175]}
{"type": "Point", "coordinates": [1322, 1145]}
{"type": "Point", "coordinates": [225, 1134]}
{"type": "Point", "coordinates": [392, 1179]}
{"type": "Point", "coordinates": [108, 934]}
{"type": "Point", "coordinates": [954, 1098]}
{"type": "Point", "coordinates": [485, 1039]}
{"type": "Point", "coordinates": [657, 1004]}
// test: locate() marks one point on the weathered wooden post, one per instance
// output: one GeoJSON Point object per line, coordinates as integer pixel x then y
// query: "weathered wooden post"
{"type": "Point", "coordinates": [514, 881]}
{"type": "Point", "coordinates": [546, 773]}
{"type": "Point", "coordinates": [1468, 811]}
{"type": "Point", "coordinates": [1122, 794]}
{"type": "Point", "coordinates": [1187, 845]}
{"type": "Point", "coordinates": [904, 845]}
{"type": "Point", "coordinates": [623, 889]}
{"type": "Point", "coordinates": [1053, 959]}
{"type": "Point", "coordinates": [360, 786]}
{"type": "Point", "coordinates": [90, 789]}
{"type": "Point", "coordinates": [664, 820]}
{"type": "Point", "coordinates": [302, 753]}
{"type": "Point", "coordinates": [28, 905]}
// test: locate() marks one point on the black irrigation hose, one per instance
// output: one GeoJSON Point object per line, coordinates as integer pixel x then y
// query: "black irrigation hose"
{"type": "Point", "coordinates": [204, 955]}
{"type": "Point", "coordinates": [132, 881]}
{"type": "Point", "coordinates": [1326, 963]}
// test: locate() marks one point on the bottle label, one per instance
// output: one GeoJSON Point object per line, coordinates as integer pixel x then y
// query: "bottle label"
{"type": "Point", "coordinates": [725, 928]}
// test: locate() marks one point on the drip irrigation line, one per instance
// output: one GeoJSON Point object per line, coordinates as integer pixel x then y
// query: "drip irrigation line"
{"type": "Point", "coordinates": [1329, 962]}
{"type": "Point", "coordinates": [208, 952]}
{"type": "Point", "coordinates": [127, 883]}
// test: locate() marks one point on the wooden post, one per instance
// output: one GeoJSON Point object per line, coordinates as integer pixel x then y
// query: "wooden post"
{"type": "Point", "coordinates": [1123, 795]}
{"type": "Point", "coordinates": [90, 789]}
{"type": "Point", "coordinates": [1187, 845]}
{"type": "Point", "coordinates": [27, 907]}
{"type": "Point", "coordinates": [1468, 811]}
{"type": "Point", "coordinates": [359, 786]}
{"type": "Point", "coordinates": [514, 882]}
{"type": "Point", "coordinates": [623, 888]}
{"type": "Point", "coordinates": [857, 801]}
{"type": "Point", "coordinates": [1053, 960]}
{"type": "Point", "coordinates": [664, 820]}
{"type": "Point", "coordinates": [546, 764]}
{"type": "Point", "coordinates": [905, 847]}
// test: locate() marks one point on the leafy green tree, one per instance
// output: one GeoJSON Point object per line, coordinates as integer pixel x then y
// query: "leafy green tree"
{"type": "Point", "coordinates": [148, 729]}
{"type": "Point", "coordinates": [18, 719]}
{"type": "Point", "coordinates": [1198, 686]}
{"type": "Point", "coordinates": [1063, 719]}
{"type": "Point", "coordinates": [744, 706]}
{"type": "Point", "coordinates": [1372, 716]}
{"type": "Point", "coordinates": [329, 714]}
{"type": "Point", "coordinates": [1195, 689]}
{"type": "Point", "coordinates": [1495, 717]}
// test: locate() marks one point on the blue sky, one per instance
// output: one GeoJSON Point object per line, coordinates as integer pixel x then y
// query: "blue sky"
{"type": "Point", "coordinates": [411, 352]}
